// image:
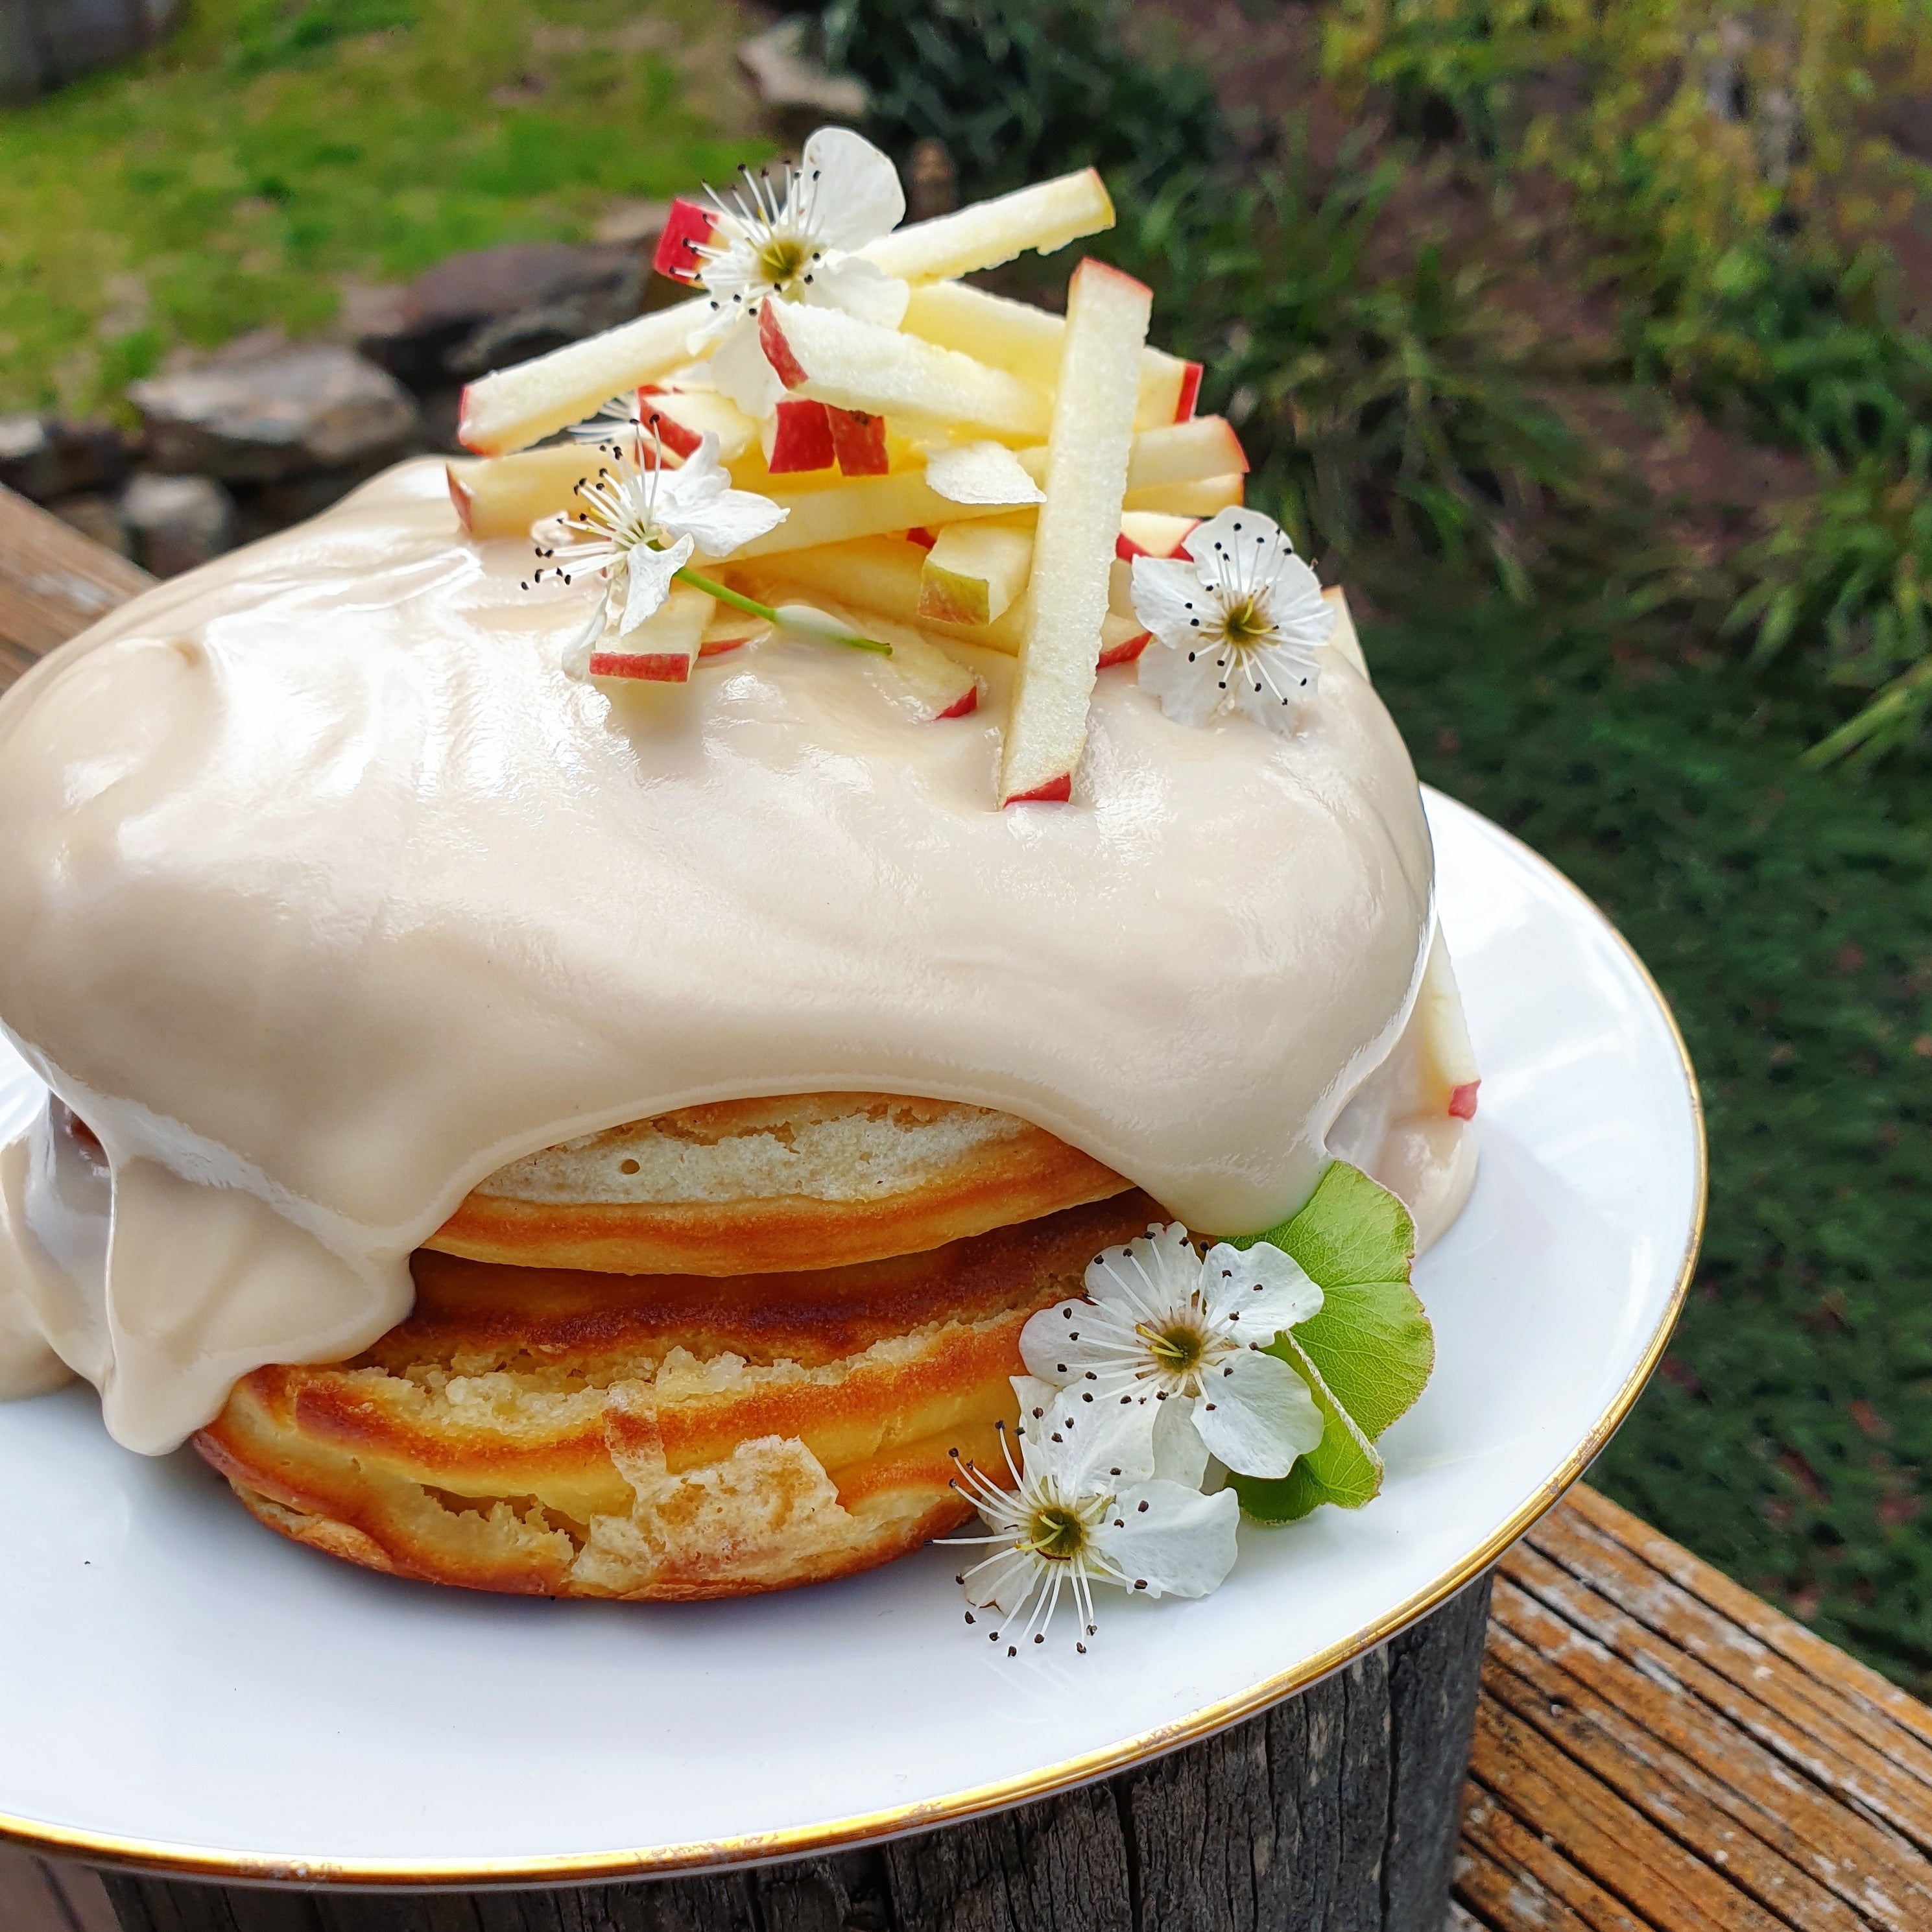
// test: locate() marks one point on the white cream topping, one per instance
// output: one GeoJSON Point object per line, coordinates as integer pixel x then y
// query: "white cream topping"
{"type": "Point", "coordinates": [325, 895]}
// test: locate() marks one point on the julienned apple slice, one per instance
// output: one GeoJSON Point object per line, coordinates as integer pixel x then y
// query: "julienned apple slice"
{"type": "Point", "coordinates": [1450, 1075]}
{"type": "Point", "coordinates": [504, 496]}
{"type": "Point", "coordinates": [1148, 533]}
{"type": "Point", "coordinates": [1342, 638]}
{"type": "Point", "coordinates": [1087, 451]}
{"type": "Point", "coordinates": [1199, 499]}
{"type": "Point", "coordinates": [662, 649]}
{"type": "Point", "coordinates": [514, 407]}
{"type": "Point", "coordinates": [881, 577]}
{"type": "Point", "coordinates": [921, 674]}
{"type": "Point", "coordinates": [1026, 340]}
{"type": "Point", "coordinates": [873, 506]}
{"type": "Point", "coordinates": [1044, 216]}
{"type": "Point", "coordinates": [974, 571]}
{"type": "Point", "coordinates": [684, 416]}
{"type": "Point", "coordinates": [835, 358]}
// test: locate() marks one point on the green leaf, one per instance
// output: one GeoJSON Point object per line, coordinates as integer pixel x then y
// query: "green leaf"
{"type": "Point", "coordinates": [1366, 1357]}
{"type": "Point", "coordinates": [1345, 1470]}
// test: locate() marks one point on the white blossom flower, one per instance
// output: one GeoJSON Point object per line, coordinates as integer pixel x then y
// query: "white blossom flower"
{"type": "Point", "coordinates": [1087, 1506]}
{"type": "Point", "coordinates": [797, 239]}
{"type": "Point", "coordinates": [1239, 627]}
{"type": "Point", "coordinates": [638, 524]}
{"type": "Point", "coordinates": [1161, 1321]}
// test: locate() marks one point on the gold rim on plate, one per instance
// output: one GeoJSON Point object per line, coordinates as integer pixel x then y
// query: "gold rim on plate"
{"type": "Point", "coordinates": [802, 1841]}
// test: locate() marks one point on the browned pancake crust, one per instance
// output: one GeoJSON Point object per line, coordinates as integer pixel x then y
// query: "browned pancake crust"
{"type": "Point", "coordinates": [554, 1432]}
{"type": "Point", "coordinates": [965, 1190]}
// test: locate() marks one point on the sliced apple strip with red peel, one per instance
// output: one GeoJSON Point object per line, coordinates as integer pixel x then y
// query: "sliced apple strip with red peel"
{"type": "Point", "coordinates": [1089, 447]}
{"type": "Point", "coordinates": [662, 649]}
{"type": "Point", "coordinates": [1200, 499]}
{"type": "Point", "coordinates": [883, 505]}
{"type": "Point", "coordinates": [799, 438]}
{"type": "Point", "coordinates": [1450, 1075]}
{"type": "Point", "coordinates": [1044, 216]}
{"type": "Point", "coordinates": [974, 572]}
{"type": "Point", "coordinates": [729, 630]}
{"type": "Point", "coordinates": [919, 534]}
{"type": "Point", "coordinates": [1122, 640]}
{"type": "Point", "coordinates": [504, 496]}
{"type": "Point", "coordinates": [1343, 638]}
{"type": "Point", "coordinates": [1148, 533]}
{"type": "Point", "coordinates": [685, 416]}
{"type": "Point", "coordinates": [858, 365]}
{"type": "Point", "coordinates": [1027, 341]}
{"type": "Point", "coordinates": [516, 407]}
{"type": "Point", "coordinates": [859, 442]}
{"type": "Point", "coordinates": [687, 228]}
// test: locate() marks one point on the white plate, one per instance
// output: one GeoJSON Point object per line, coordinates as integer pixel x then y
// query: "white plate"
{"type": "Point", "coordinates": [183, 1690]}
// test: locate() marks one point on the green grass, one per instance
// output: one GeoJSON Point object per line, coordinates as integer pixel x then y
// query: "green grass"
{"type": "Point", "coordinates": [233, 178]}
{"type": "Point", "coordinates": [1788, 916]}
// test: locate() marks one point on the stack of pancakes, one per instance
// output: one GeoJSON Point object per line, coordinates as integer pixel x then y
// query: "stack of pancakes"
{"type": "Point", "coordinates": [727, 1349]}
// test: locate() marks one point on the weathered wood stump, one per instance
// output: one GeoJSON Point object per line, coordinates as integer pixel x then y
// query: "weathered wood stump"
{"type": "Point", "coordinates": [45, 43]}
{"type": "Point", "coordinates": [1335, 1811]}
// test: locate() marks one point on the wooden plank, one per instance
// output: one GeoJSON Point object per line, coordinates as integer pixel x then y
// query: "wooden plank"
{"type": "Point", "coordinates": [1611, 1841]}
{"type": "Point", "coordinates": [1864, 1693]}
{"type": "Point", "coordinates": [1648, 1735]}
{"type": "Point", "coordinates": [54, 583]}
{"type": "Point", "coordinates": [1644, 1617]}
{"type": "Point", "coordinates": [1670, 1792]}
{"type": "Point", "coordinates": [1510, 1875]}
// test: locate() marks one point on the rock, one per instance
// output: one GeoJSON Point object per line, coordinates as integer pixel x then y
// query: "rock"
{"type": "Point", "coordinates": [98, 517]}
{"type": "Point", "coordinates": [42, 458]}
{"type": "Point", "coordinates": [264, 408]}
{"type": "Point", "coordinates": [780, 63]}
{"type": "Point", "coordinates": [480, 311]}
{"type": "Point", "coordinates": [178, 522]}
{"type": "Point", "coordinates": [44, 44]}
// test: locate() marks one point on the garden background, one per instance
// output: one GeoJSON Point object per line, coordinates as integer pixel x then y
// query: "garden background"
{"type": "Point", "coordinates": [1585, 343]}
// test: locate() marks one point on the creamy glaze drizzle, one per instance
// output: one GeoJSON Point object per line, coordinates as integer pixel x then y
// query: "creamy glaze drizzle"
{"type": "Point", "coordinates": [325, 895]}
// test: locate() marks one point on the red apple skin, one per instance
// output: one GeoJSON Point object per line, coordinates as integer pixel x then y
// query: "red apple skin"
{"type": "Point", "coordinates": [803, 440]}
{"type": "Point", "coordinates": [778, 351]}
{"type": "Point", "coordinates": [676, 256]}
{"type": "Point", "coordinates": [462, 496]}
{"type": "Point", "coordinates": [1126, 550]}
{"type": "Point", "coordinates": [1463, 1101]}
{"type": "Point", "coordinates": [1125, 653]}
{"type": "Point", "coordinates": [1055, 791]}
{"type": "Point", "coordinates": [464, 434]}
{"type": "Point", "coordinates": [919, 534]}
{"type": "Point", "coordinates": [1089, 267]}
{"type": "Point", "coordinates": [1190, 393]}
{"type": "Point", "coordinates": [679, 440]}
{"type": "Point", "coordinates": [859, 441]}
{"type": "Point", "coordinates": [968, 701]}
{"type": "Point", "coordinates": [646, 666]}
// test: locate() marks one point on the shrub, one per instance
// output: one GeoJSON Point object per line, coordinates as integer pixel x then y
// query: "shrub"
{"type": "Point", "coordinates": [1018, 89]}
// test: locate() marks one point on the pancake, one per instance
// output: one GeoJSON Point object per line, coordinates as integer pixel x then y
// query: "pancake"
{"type": "Point", "coordinates": [816, 1180]}
{"type": "Point", "coordinates": [561, 1432]}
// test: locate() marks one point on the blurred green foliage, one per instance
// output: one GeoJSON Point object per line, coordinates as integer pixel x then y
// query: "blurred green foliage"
{"type": "Point", "coordinates": [1018, 89]}
{"type": "Point", "coordinates": [235, 178]}
{"type": "Point", "coordinates": [1787, 915]}
{"type": "Point", "coordinates": [1373, 403]}
{"type": "Point", "coordinates": [1732, 162]}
